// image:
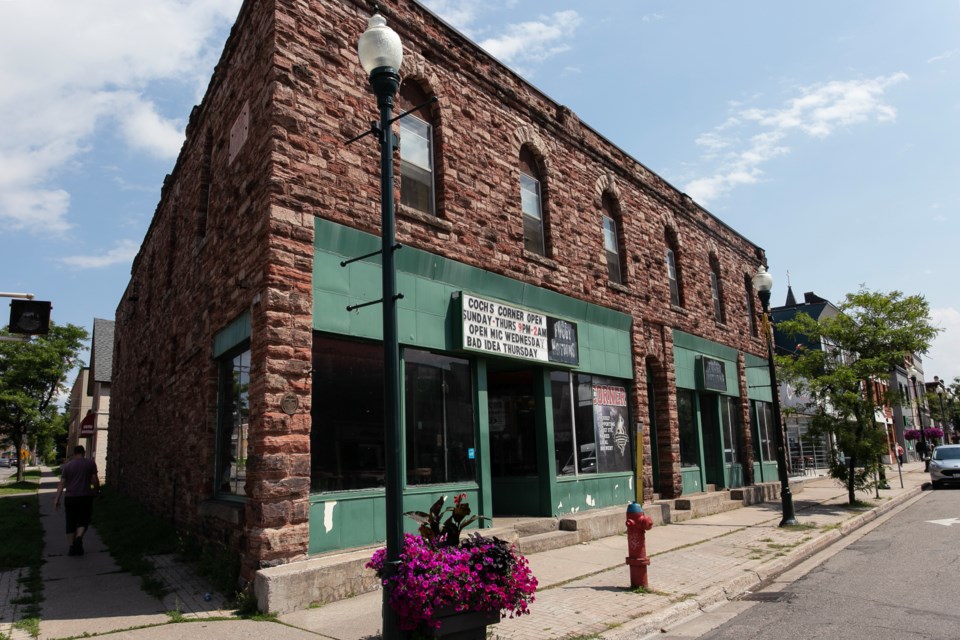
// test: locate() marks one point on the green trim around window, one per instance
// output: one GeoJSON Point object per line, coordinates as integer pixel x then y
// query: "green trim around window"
{"type": "Point", "coordinates": [427, 314]}
{"type": "Point", "coordinates": [232, 335]}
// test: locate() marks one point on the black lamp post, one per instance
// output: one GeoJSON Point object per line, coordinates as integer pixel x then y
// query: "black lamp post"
{"type": "Point", "coordinates": [763, 282]}
{"type": "Point", "coordinates": [923, 433]}
{"type": "Point", "coordinates": [381, 54]}
{"type": "Point", "coordinates": [940, 387]}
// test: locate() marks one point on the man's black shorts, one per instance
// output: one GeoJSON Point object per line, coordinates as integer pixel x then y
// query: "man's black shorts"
{"type": "Point", "coordinates": [78, 510]}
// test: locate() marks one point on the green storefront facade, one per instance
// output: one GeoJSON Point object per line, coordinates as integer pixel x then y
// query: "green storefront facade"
{"type": "Point", "coordinates": [713, 450]}
{"type": "Point", "coordinates": [517, 396]}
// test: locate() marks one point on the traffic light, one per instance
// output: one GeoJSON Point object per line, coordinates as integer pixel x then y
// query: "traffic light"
{"type": "Point", "coordinates": [30, 317]}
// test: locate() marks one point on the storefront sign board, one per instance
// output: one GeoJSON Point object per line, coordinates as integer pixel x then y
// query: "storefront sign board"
{"type": "Point", "coordinates": [510, 331]}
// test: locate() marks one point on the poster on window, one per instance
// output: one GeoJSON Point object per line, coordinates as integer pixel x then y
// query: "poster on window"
{"type": "Point", "coordinates": [612, 428]}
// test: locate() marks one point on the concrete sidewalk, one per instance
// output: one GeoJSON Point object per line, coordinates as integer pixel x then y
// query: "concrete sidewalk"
{"type": "Point", "coordinates": [584, 589]}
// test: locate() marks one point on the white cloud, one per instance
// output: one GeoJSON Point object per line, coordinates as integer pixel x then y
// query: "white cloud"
{"type": "Point", "coordinates": [67, 68]}
{"type": "Point", "coordinates": [943, 56]}
{"type": "Point", "coordinates": [458, 13]}
{"type": "Point", "coordinates": [752, 137]}
{"type": "Point", "coordinates": [534, 41]}
{"type": "Point", "coordinates": [124, 251]}
{"type": "Point", "coordinates": [943, 360]}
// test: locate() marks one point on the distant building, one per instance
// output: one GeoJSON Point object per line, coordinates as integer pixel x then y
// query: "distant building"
{"type": "Point", "coordinates": [804, 449]}
{"type": "Point", "coordinates": [81, 403]}
{"type": "Point", "coordinates": [98, 388]}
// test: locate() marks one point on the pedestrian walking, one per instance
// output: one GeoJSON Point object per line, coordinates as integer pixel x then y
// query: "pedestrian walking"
{"type": "Point", "coordinates": [79, 480]}
{"type": "Point", "coordinates": [899, 455]}
{"type": "Point", "coordinates": [922, 451]}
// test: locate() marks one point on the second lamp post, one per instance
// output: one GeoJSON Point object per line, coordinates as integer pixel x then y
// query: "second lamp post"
{"type": "Point", "coordinates": [763, 282]}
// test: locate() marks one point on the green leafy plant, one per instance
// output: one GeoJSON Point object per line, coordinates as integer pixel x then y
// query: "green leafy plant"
{"type": "Point", "coordinates": [440, 531]}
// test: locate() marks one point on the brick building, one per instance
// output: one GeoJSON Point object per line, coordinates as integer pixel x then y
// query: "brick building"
{"type": "Point", "coordinates": [560, 300]}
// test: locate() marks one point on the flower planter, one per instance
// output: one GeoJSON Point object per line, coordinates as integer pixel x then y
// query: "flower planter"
{"type": "Point", "coordinates": [463, 625]}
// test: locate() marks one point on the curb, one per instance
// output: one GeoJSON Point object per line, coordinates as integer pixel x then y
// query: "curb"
{"type": "Point", "coordinates": [656, 623]}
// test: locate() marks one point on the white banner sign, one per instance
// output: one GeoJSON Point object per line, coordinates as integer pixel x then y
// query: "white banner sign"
{"type": "Point", "coordinates": [502, 329]}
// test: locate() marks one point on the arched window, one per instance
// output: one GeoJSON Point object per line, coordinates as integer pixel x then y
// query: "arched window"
{"type": "Point", "coordinates": [531, 204]}
{"type": "Point", "coordinates": [416, 151]}
{"type": "Point", "coordinates": [674, 275]}
{"type": "Point", "coordinates": [611, 238]}
{"type": "Point", "coordinates": [716, 291]}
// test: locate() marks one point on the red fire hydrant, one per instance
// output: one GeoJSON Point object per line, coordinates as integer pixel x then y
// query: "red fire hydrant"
{"type": "Point", "coordinates": [638, 523]}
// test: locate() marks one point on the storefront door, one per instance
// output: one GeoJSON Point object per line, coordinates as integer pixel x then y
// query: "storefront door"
{"type": "Point", "coordinates": [512, 410]}
{"type": "Point", "coordinates": [712, 441]}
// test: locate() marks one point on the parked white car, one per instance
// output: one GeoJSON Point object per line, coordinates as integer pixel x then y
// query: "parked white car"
{"type": "Point", "coordinates": [945, 465]}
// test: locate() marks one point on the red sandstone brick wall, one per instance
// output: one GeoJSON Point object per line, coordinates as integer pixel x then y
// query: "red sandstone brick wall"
{"type": "Point", "coordinates": [306, 91]}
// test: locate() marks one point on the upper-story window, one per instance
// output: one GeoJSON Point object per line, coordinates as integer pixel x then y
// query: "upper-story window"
{"type": "Point", "coordinates": [673, 271]}
{"type": "Point", "coordinates": [716, 292]}
{"type": "Point", "coordinates": [416, 152]}
{"type": "Point", "coordinates": [531, 204]}
{"type": "Point", "coordinates": [611, 240]}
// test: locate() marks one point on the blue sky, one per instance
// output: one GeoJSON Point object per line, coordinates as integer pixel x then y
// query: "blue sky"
{"type": "Point", "coordinates": [826, 132]}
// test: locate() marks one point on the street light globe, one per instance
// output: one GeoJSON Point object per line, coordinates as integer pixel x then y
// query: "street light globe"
{"type": "Point", "coordinates": [379, 46]}
{"type": "Point", "coordinates": [762, 281]}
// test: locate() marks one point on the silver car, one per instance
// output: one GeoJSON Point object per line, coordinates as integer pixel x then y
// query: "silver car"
{"type": "Point", "coordinates": [945, 465]}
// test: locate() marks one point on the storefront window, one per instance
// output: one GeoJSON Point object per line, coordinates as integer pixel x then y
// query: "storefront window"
{"type": "Point", "coordinates": [730, 427]}
{"type": "Point", "coordinates": [439, 418]}
{"type": "Point", "coordinates": [600, 426]}
{"type": "Point", "coordinates": [347, 438]}
{"type": "Point", "coordinates": [763, 436]}
{"type": "Point", "coordinates": [233, 417]}
{"type": "Point", "coordinates": [563, 443]}
{"type": "Point", "coordinates": [687, 419]}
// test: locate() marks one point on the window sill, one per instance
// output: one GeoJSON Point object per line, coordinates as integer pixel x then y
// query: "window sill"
{"type": "Point", "coordinates": [619, 287]}
{"type": "Point", "coordinates": [228, 510]}
{"type": "Point", "coordinates": [539, 259]}
{"type": "Point", "coordinates": [424, 218]}
{"type": "Point", "coordinates": [680, 310]}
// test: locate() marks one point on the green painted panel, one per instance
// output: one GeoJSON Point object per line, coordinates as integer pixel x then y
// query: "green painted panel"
{"type": "Point", "coordinates": [407, 327]}
{"type": "Point", "coordinates": [336, 279]}
{"type": "Point", "coordinates": [366, 283]}
{"type": "Point", "coordinates": [691, 479]}
{"type": "Point", "coordinates": [768, 472]}
{"type": "Point", "coordinates": [232, 335]}
{"type": "Point", "coordinates": [432, 331]}
{"type": "Point", "coordinates": [367, 322]}
{"type": "Point", "coordinates": [347, 522]}
{"type": "Point", "coordinates": [333, 308]}
{"type": "Point", "coordinates": [496, 285]}
{"type": "Point", "coordinates": [684, 370]}
{"type": "Point", "coordinates": [612, 364]}
{"type": "Point", "coordinates": [733, 475]}
{"type": "Point", "coordinates": [592, 492]}
{"type": "Point", "coordinates": [704, 346]}
{"type": "Point", "coordinates": [407, 285]}
{"type": "Point", "coordinates": [433, 297]}
{"type": "Point", "coordinates": [427, 282]}
{"type": "Point", "coordinates": [358, 519]}
{"type": "Point", "coordinates": [758, 378]}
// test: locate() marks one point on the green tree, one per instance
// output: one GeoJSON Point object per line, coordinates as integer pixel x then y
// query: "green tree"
{"type": "Point", "coordinates": [31, 375]}
{"type": "Point", "coordinates": [873, 333]}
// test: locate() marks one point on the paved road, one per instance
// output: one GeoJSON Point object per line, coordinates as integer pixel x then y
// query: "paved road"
{"type": "Point", "coordinates": [894, 582]}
